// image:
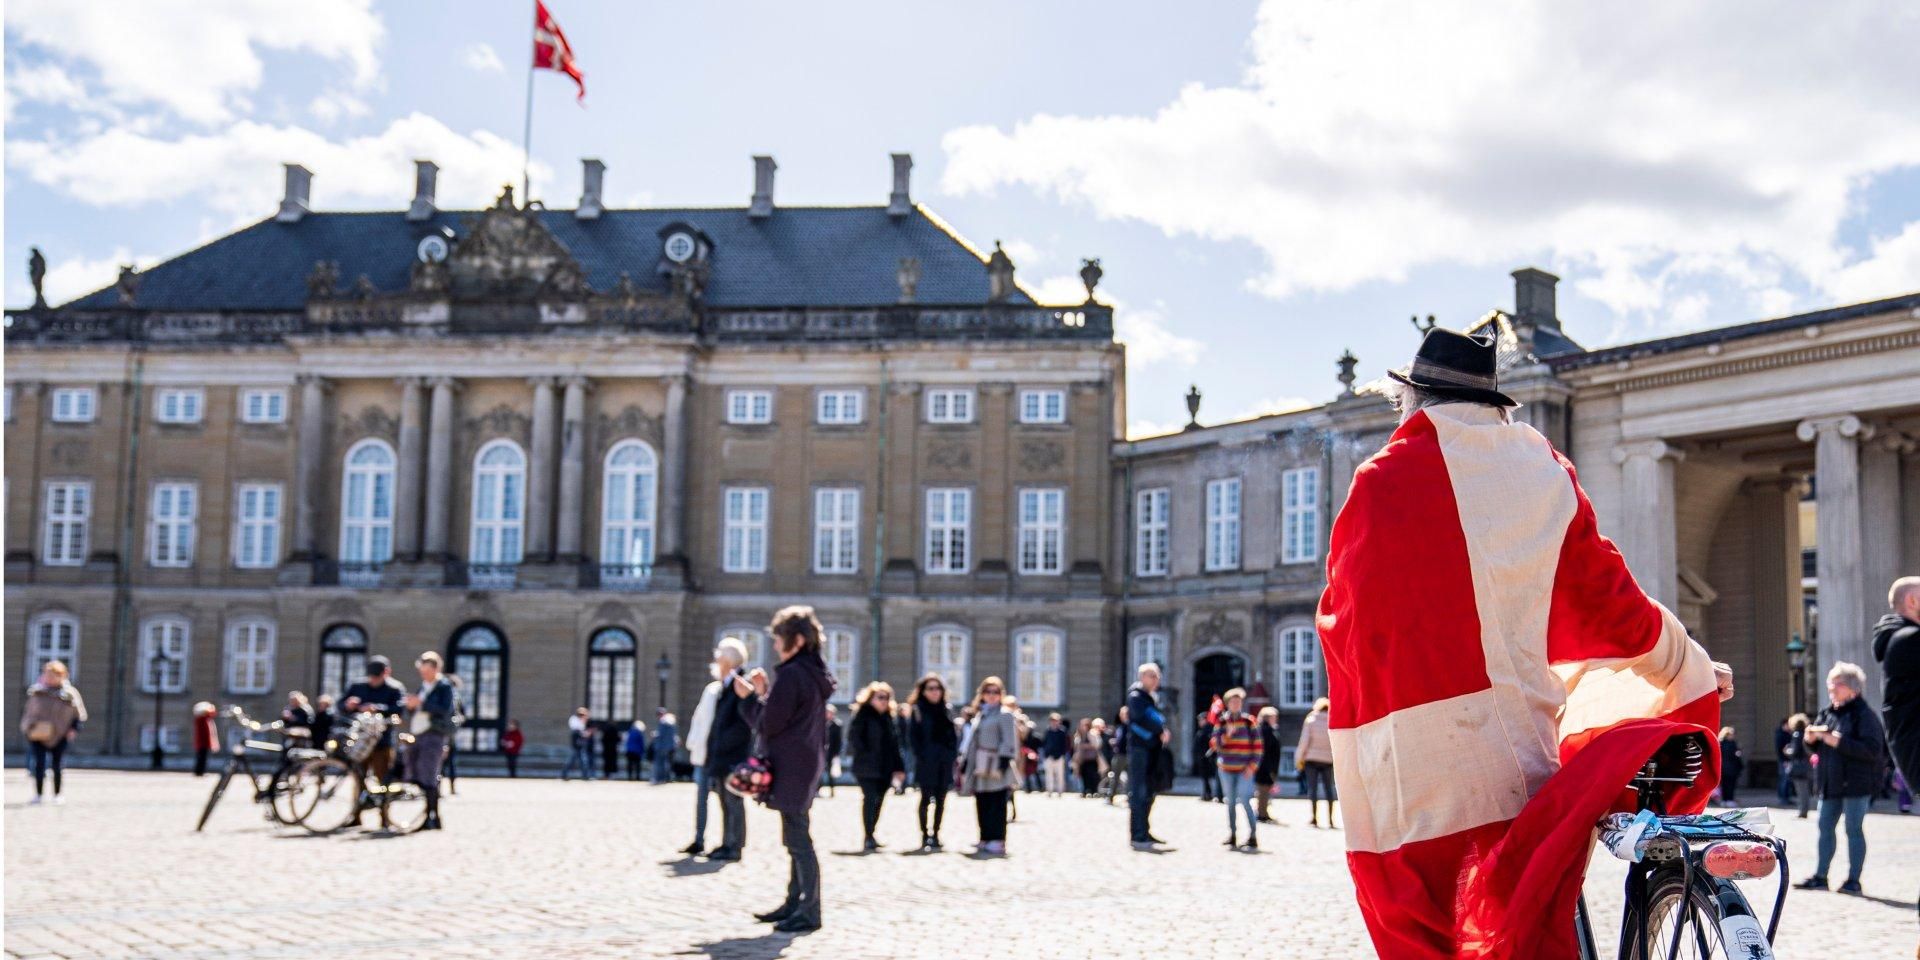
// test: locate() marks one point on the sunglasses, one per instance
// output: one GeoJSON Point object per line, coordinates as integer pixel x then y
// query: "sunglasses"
{"type": "Point", "coordinates": [990, 692]}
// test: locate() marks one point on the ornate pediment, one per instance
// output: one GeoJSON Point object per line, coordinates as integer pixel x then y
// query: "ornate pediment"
{"type": "Point", "coordinates": [630, 422]}
{"type": "Point", "coordinates": [506, 252]}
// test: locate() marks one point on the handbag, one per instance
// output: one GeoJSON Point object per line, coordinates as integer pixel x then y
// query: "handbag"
{"type": "Point", "coordinates": [43, 733]}
{"type": "Point", "coordinates": [751, 779]}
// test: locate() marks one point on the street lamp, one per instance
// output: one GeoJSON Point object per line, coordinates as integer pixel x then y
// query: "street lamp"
{"type": "Point", "coordinates": [157, 670]}
{"type": "Point", "coordinates": [1797, 661]}
{"type": "Point", "coordinates": [663, 668]}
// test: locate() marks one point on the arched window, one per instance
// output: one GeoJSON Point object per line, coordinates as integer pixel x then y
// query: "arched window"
{"type": "Point", "coordinates": [841, 648]}
{"type": "Point", "coordinates": [1150, 647]}
{"type": "Point", "coordinates": [1039, 658]}
{"type": "Point", "coordinates": [366, 504]}
{"type": "Point", "coordinates": [53, 636]}
{"type": "Point", "coordinates": [1299, 650]}
{"type": "Point", "coordinates": [627, 511]}
{"type": "Point", "coordinates": [169, 636]}
{"type": "Point", "coordinates": [499, 505]}
{"type": "Point", "coordinates": [343, 658]}
{"type": "Point", "coordinates": [250, 646]}
{"type": "Point", "coordinates": [479, 657]}
{"type": "Point", "coordinates": [948, 651]}
{"type": "Point", "coordinates": [756, 641]}
{"type": "Point", "coordinates": [610, 671]}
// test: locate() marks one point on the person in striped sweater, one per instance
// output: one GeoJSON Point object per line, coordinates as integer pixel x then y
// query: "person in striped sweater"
{"type": "Point", "coordinates": [1237, 747]}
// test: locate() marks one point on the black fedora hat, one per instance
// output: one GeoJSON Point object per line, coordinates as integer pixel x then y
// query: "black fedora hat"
{"type": "Point", "coordinates": [1458, 366]}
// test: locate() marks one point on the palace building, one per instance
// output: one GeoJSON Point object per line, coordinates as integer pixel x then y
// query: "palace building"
{"type": "Point", "coordinates": [572, 449]}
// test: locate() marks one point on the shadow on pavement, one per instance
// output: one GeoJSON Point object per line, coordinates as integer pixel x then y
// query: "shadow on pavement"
{"type": "Point", "coordinates": [743, 948]}
{"type": "Point", "coordinates": [691, 867]}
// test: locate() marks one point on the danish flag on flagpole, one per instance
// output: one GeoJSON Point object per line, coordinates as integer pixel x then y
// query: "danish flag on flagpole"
{"type": "Point", "coordinates": [551, 50]}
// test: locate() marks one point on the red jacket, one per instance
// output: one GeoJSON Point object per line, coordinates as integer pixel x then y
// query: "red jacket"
{"type": "Point", "coordinates": [206, 732]}
{"type": "Point", "coordinates": [511, 742]}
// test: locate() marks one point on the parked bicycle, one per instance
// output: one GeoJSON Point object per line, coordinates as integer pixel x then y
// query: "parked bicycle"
{"type": "Point", "coordinates": [283, 805]}
{"type": "Point", "coordinates": [344, 789]}
{"type": "Point", "coordinates": [1681, 895]}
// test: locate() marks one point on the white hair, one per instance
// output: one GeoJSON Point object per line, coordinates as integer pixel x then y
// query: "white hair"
{"type": "Point", "coordinates": [1406, 398]}
{"type": "Point", "coordinates": [1146, 668]}
{"type": "Point", "coordinates": [1848, 675]}
{"type": "Point", "coordinates": [1901, 590]}
{"type": "Point", "coordinates": [732, 649]}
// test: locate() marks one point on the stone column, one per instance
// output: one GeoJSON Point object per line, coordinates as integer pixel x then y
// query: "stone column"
{"type": "Point", "coordinates": [1838, 520]}
{"type": "Point", "coordinates": [1647, 533]}
{"type": "Point", "coordinates": [540, 473]}
{"type": "Point", "coordinates": [673, 472]}
{"type": "Point", "coordinates": [406, 503]}
{"type": "Point", "coordinates": [310, 457]}
{"type": "Point", "coordinates": [1884, 524]}
{"type": "Point", "coordinates": [440, 468]}
{"type": "Point", "coordinates": [573, 468]}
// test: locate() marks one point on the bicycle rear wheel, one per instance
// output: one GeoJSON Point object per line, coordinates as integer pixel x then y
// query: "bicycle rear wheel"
{"type": "Point", "coordinates": [328, 790]}
{"type": "Point", "coordinates": [1671, 901]}
{"type": "Point", "coordinates": [406, 807]}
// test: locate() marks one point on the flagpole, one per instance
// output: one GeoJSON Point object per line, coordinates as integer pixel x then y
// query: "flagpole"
{"type": "Point", "coordinates": [526, 134]}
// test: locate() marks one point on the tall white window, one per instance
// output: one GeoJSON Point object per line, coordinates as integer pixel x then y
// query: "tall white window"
{"type": "Point", "coordinates": [949, 406]}
{"type": "Point", "coordinates": [250, 656]}
{"type": "Point", "coordinates": [1150, 647]}
{"type": "Point", "coordinates": [749, 406]}
{"type": "Point", "coordinates": [836, 530]}
{"type": "Point", "coordinates": [366, 504]}
{"type": "Point", "coordinates": [170, 528]}
{"type": "Point", "coordinates": [841, 648]}
{"type": "Point", "coordinates": [343, 658]}
{"type": "Point", "coordinates": [53, 636]}
{"type": "Point", "coordinates": [948, 652]}
{"type": "Point", "coordinates": [756, 642]}
{"type": "Point", "coordinates": [611, 661]}
{"type": "Point", "coordinates": [168, 636]}
{"type": "Point", "coordinates": [627, 508]}
{"type": "Point", "coordinates": [1223, 524]}
{"type": "Point", "coordinates": [1037, 658]}
{"type": "Point", "coordinates": [499, 504]}
{"type": "Point", "coordinates": [949, 528]}
{"type": "Point", "coordinates": [263, 406]}
{"type": "Point", "coordinates": [178, 405]}
{"type": "Point", "coordinates": [1043, 406]}
{"type": "Point", "coordinates": [64, 536]}
{"type": "Point", "coordinates": [1300, 515]}
{"type": "Point", "coordinates": [1150, 532]}
{"type": "Point", "coordinates": [72, 405]}
{"type": "Point", "coordinates": [744, 543]}
{"type": "Point", "coordinates": [1042, 531]}
{"type": "Point", "coordinates": [1299, 667]}
{"type": "Point", "coordinates": [256, 542]}
{"type": "Point", "coordinates": [839, 406]}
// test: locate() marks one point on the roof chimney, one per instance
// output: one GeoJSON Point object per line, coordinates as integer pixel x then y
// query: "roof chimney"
{"type": "Point", "coordinates": [1533, 296]}
{"type": "Point", "coordinates": [762, 205]}
{"type": "Point", "coordinates": [591, 173]}
{"type": "Point", "coordinates": [899, 204]}
{"type": "Point", "coordinates": [293, 205]}
{"type": "Point", "coordinates": [425, 174]}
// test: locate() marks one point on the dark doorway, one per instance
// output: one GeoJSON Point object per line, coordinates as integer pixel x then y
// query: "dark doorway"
{"type": "Point", "coordinates": [478, 658]}
{"type": "Point", "coordinates": [1213, 675]}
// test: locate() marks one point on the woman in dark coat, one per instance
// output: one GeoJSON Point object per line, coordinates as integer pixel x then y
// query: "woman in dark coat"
{"type": "Point", "coordinates": [1268, 772]}
{"type": "Point", "coordinates": [789, 712]}
{"type": "Point", "coordinates": [935, 743]}
{"type": "Point", "coordinates": [729, 741]}
{"type": "Point", "coordinates": [876, 754]}
{"type": "Point", "coordinates": [1732, 764]}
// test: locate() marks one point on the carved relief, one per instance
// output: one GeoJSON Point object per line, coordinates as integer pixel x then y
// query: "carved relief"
{"type": "Point", "coordinates": [1219, 629]}
{"type": "Point", "coordinates": [372, 422]}
{"type": "Point", "coordinates": [341, 610]}
{"type": "Point", "coordinates": [950, 456]}
{"type": "Point", "coordinates": [1042, 456]}
{"type": "Point", "coordinates": [501, 421]}
{"type": "Point", "coordinates": [631, 421]}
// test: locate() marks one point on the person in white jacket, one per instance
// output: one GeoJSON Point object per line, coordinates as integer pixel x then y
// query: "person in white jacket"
{"type": "Point", "coordinates": [697, 732]}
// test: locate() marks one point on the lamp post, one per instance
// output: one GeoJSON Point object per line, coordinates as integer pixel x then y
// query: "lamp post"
{"type": "Point", "coordinates": [157, 670]}
{"type": "Point", "coordinates": [663, 668]}
{"type": "Point", "coordinates": [1797, 662]}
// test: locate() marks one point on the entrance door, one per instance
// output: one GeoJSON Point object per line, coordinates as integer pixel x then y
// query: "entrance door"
{"type": "Point", "coordinates": [1215, 674]}
{"type": "Point", "coordinates": [479, 657]}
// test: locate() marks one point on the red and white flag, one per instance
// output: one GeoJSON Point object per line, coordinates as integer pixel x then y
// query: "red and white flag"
{"type": "Point", "coordinates": [1497, 677]}
{"type": "Point", "coordinates": [551, 50]}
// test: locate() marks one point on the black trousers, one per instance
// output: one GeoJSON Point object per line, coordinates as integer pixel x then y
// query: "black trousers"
{"type": "Point", "coordinates": [937, 799]}
{"type": "Point", "coordinates": [1089, 777]}
{"type": "Point", "coordinates": [873, 793]}
{"type": "Point", "coordinates": [200, 762]}
{"type": "Point", "coordinates": [803, 876]}
{"type": "Point", "coordinates": [513, 764]}
{"type": "Point", "coordinates": [633, 766]}
{"type": "Point", "coordinates": [733, 820]}
{"type": "Point", "coordinates": [991, 810]}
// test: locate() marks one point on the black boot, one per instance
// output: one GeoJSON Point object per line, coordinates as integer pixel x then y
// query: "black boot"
{"type": "Point", "coordinates": [1232, 841]}
{"type": "Point", "coordinates": [1253, 842]}
{"type": "Point", "coordinates": [777, 914]}
{"type": "Point", "coordinates": [799, 922]}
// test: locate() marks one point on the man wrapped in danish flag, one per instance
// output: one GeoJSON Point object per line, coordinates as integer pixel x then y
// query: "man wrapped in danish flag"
{"type": "Point", "coordinates": [1497, 676]}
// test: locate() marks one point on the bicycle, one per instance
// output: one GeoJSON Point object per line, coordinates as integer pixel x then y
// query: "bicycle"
{"type": "Point", "coordinates": [283, 805]}
{"type": "Point", "coordinates": [1680, 889]}
{"type": "Point", "coordinates": [344, 789]}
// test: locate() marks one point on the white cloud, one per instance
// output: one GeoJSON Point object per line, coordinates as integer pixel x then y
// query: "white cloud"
{"type": "Point", "coordinates": [1140, 429]}
{"type": "Point", "coordinates": [236, 172]}
{"type": "Point", "coordinates": [197, 58]}
{"type": "Point", "coordinates": [1143, 329]}
{"type": "Point", "coordinates": [1272, 405]}
{"type": "Point", "coordinates": [1640, 143]}
{"type": "Point", "coordinates": [332, 105]}
{"type": "Point", "coordinates": [1891, 270]}
{"type": "Point", "coordinates": [43, 83]}
{"type": "Point", "coordinates": [480, 58]}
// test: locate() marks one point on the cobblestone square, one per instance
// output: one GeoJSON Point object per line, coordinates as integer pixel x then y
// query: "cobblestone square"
{"type": "Point", "coordinates": [540, 869]}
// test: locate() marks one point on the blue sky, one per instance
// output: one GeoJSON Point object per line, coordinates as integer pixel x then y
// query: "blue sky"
{"type": "Point", "coordinates": [1266, 184]}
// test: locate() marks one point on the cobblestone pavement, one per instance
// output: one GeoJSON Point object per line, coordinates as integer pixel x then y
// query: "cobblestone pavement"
{"type": "Point", "coordinates": [538, 868]}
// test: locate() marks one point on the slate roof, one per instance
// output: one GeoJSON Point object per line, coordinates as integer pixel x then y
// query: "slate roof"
{"type": "Point", "coordinates": [1909, 302]}
{"type": "Point", "coordinates": [1548, 342]}
{"type": "Point", "coordinates": [798, 257]}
